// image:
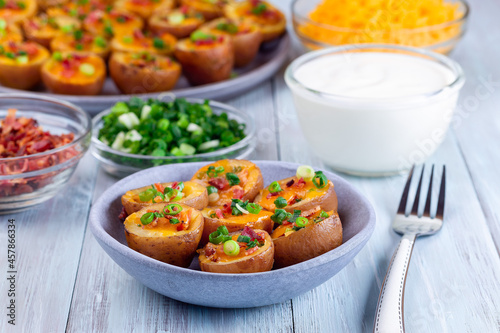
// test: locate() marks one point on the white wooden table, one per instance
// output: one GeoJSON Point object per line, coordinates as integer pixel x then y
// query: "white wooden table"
{"type": "Point", "coordinates": [66, 282]}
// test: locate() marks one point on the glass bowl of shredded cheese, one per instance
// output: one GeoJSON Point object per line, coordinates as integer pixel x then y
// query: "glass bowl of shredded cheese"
{"type": "Point", "coordinates": [436, 25]}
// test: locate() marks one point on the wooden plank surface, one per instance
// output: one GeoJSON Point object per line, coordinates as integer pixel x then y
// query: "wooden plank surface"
{"type": "Point", "coordinates": [459, 263]}
{"type": "Point", "coordinates": [477, 120]}
{"type": "Point", "coordinates": [107, 299]}
{"type": "Point", "coordinates": [49, 238]}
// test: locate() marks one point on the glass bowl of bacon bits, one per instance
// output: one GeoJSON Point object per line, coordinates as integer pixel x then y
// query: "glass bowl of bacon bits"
{"type": "Point", "coordinates": [41, 142]}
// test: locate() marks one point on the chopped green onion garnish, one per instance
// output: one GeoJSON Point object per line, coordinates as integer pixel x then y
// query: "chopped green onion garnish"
{"type": "Point", "coordinates": [22, 60]}
{"type": "Point", "coordinates": [280, 202]}
{"type": "Point", "coordinates": [187, 149]}
{"type": "Point", "coordinates": [319, 179]}
{"type": "Point", "coordinates": [212, 189]}
{"type": "Point", "coordinates": [232, 178]}
{"type": "Point", "coordinates": [127, 39]}
{"type": "Point", "coordinates": [147, 218]}
{"type": "Point", "coordinates": [129, 120]}
{"type": "Point", "coordinates": [87, 69]}
{"type": "Point", "coordinates": [214, 171]}
{"type": "Point", "coordinates": [223, 230]}
{"type": "Point", "coordinates": [274, 187]}
{"type": "Point", "coordinates": [176, 18]}
{"type": "Point", "coordinates": [101, 42]}
{"type": "Point", "coordinates": [174, 221]}
{"type": "Point", "coordinates": [209, 145]}
{"type": "Point", "coordinates": [305, 172]}
{"type": "Point", "coordinates": [219, 236]}
{"type": "Point", "coordinates": [301, 221]}
{"type": "Point", "coordinates": [259, 9]}
{"type": "Point", "coordinates": [200, 35]}
{"type": "Point", "coordinates": [231, 248]}
{"type": "Point", "coordinates": [158, 43]}
{"type": "Point", "coordinates": [172, 209]}
{"type": "Point", "coordinates": [57, 56]}
{"type": "Point", "coordinates": [254, 208]}
{"type": "Point", "coordinates": [280, 215]}
{"type": "Point", "coordinates": [3, 24]}
{"type": "Point", "coordinates": [243, 239]}
{"type": "Point", "coordinates": [323, 214]}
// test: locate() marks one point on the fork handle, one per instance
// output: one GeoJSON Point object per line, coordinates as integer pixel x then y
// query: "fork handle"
{"type": "Point", "coordinates": [390, 315]}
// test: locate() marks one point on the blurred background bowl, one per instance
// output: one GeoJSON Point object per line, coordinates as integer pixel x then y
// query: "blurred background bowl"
{"type": "Point", "coordinates": [120, 164]}
{"type": "Point", "coordinates": [29, 180]}
{"type": "Point", "coordinates": [441, 38]}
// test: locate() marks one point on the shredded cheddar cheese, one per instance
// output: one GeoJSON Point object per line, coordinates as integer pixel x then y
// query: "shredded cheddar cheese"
{"type": "Point", "coordinates": [419, 23]}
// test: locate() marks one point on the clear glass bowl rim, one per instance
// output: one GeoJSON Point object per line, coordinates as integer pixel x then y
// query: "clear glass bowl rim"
{"type": "Point", "coordinates": [249, 126]}
{"type": "Point", "coordinates": [448, 62]}
{"type": "Point", "coordinates": [87, 125]}
{"type": "Point", "coordinates": [307, 20]}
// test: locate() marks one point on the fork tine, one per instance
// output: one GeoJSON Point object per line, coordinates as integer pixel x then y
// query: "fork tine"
{"type": "Point", "coordinates": [442, 190]}
{"type": "Point", "coordinates": [427, 209]}
{"type": "Point", "coordinates": [414, 210]}
{"type": "Point", "coordinates": [404, 197]}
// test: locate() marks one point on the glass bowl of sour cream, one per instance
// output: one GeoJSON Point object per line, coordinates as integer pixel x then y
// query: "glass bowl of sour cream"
{"type": "Point", "coordinates": [374, 109]}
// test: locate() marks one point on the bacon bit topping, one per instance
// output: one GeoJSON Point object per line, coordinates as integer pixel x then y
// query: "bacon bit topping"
{"type": "Point", "coordinates": [220, 183]}
{"type": "Point", "coordinates": [159, 187]}
{"type": "Point", "coordinates": [252, 250]}
{"type": "Point", "coordinates": [227, 209]}
{"type": "Point", "coordinates": [123, 214]}
{"type": "Point", "coordinates": [209, 250]}
{"type": "Point", "coordinates": [270, 195]}
{"type": "Point", "coordinates": [238, 192]}
{"type": "Point", "coordinates": [247, 231]}
{"type": "Point", "coordinates": [301, 183]}
{"type": "Point", "coordinates": [219, 213]}
{"type": "Point", "coordinates": [22, 137]}
{"type": "Point", "coordinates": [310, 212]}
{"type": "Point", "coordinates": [138, 34]}
{"type": "Point", "coordinates": [293, 200]}
{"type": "Point", "coordinates": [290, 183]}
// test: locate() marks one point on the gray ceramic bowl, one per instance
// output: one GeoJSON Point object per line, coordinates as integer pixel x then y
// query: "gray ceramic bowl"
{"type": "Point", "coordinates": [193, 286]}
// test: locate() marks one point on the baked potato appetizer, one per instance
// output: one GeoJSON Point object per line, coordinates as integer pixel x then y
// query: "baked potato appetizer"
{"type": "Point", "coordinates": [235, 216]}
{"type": "Point", "coordinates": [230, 179]}
{"type": "Point", "coordinates": [74, 73]}
{"type": "Point", "coordinates": [20, 64]}
{"type": "Point", "coordinates": [114, 22]}
{"type": "Point", "coordinates": [144, 8]}
{"type": "Point", "coordinates": [180, 22]}
{"type": "Point", "coordinates": [306, 190]}
{"type": "Point", "coordinates": [138, 41]}
{"type": "Point", "coordinates": [246, 38]}
{"type": "Point", "coordinates": [246, 251]}
{"type": "Point", "coordinates": [81, 42]}
{"type": "Point", "coordinates": [271, 21]}
{"type": "Point", "coordinates": [304, 235]}
{"type": "Point", "coordinates": [168, 232]}
{"type": "Point", "coordinates": [138, 73]}
{"type": "Point", "coordinates": [205, 57]}
{"type": "Point", "coordinates": [15, 11]}
{"type": "Point", "coordinates": [188, 193]}
{"type": "Point", "coordinates": [43, 29]}
{"type": "Point", "coordinates": [10, 32]}
{"type": "Point", "coordinates": [210, 9]}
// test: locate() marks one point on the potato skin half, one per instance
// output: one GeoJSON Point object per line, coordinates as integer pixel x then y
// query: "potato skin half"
{"type": "Point", "coordinates": [134, 80]}
{"type": "Point", "coordinates": [205, 65]}
{"type": "Point", "coordinates": [198, 201]}
{"type": "Point", "coordinates": [327, 201]}
{"type": "Point", "coordinates": [260, 261]}
{"type": "Point", "coordinates": [211, 225]}
{"type": "Point", "coordinates": [177, 249]}
{"type": "Point", "coordinates": [22, 76]}
{"type": "Point", "coordinates": [308, 243]}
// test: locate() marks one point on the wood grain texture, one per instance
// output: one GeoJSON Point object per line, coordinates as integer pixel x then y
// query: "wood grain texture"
{"type": "Point", "coordinates": [459, 263]}
{"type": "Point", "coordinates": [107, 299]}
{"type": "Point", "coordinates": [49, 238]}
{"type": "Point", "coordinates": [477, 120]}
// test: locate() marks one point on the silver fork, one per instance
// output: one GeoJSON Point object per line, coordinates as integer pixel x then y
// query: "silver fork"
{"type": "Point", "coordinates": [390, 307]}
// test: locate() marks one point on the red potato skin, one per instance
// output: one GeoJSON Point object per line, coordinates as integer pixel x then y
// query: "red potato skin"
{"type": "Point", "coordinates": [134, 80]}
{"type": "Point", "coordinates": [261, 262]}
{"type": "Point", "coordinates": [246, 47]}
{"type": "Point", "coordinates": [203, 66]}
{"type": "Point", "coordinates": [308, 243]}
{"type": "Point", "coordinates": [58, 86]}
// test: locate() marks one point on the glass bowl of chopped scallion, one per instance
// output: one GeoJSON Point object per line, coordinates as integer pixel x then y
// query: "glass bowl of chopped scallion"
{"type": "Point", "coordinates": [140, 134]}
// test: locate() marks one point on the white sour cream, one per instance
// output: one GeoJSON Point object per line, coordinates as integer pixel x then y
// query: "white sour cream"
{"type": "Point", "coordinates": [374, 75]}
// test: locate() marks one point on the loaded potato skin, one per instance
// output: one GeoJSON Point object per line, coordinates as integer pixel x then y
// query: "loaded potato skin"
{"type": "Point", "coordinates": [246, 38]}
{"type": "Point", "coordinates": [81, 42]}
{"type": "Point", "coordinates": [10, 32]}
{"type": "Point", "coordinates": [168, 232]}
{"type": "Point", "coordinates": [236, 216]}
{"type": "Point", "coordinates": [297, 193]}
{"type": "Point", "coordinates": [135, 73]}
{"type": "Point", "coordinates": [15, 11]}
{"type": "Point", "coordinates": [246, 251]}
{"type": "Point", "coordinates": [20, 64]}
{"type": "Point", "coordinates": [210, 9]}
{"type": "Point", "coordinates": [74, 73]}
{"type": "Point", "coordinates": [144, 8]}
{"type": "Point", "coordinates": [271, 21]}
{"type": "Point", "coordinates": [230, 179]}
{"type": "Point", "coordinates": [205, 57]}
{"type": "Point", "coordinates": [299, 241]}
{"type": "Point", "coordinates": [188, 193]}
{"type": "Point", "coordinates": [43, 29]}
{"type": "Point", "coordinates": [115, 22]}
